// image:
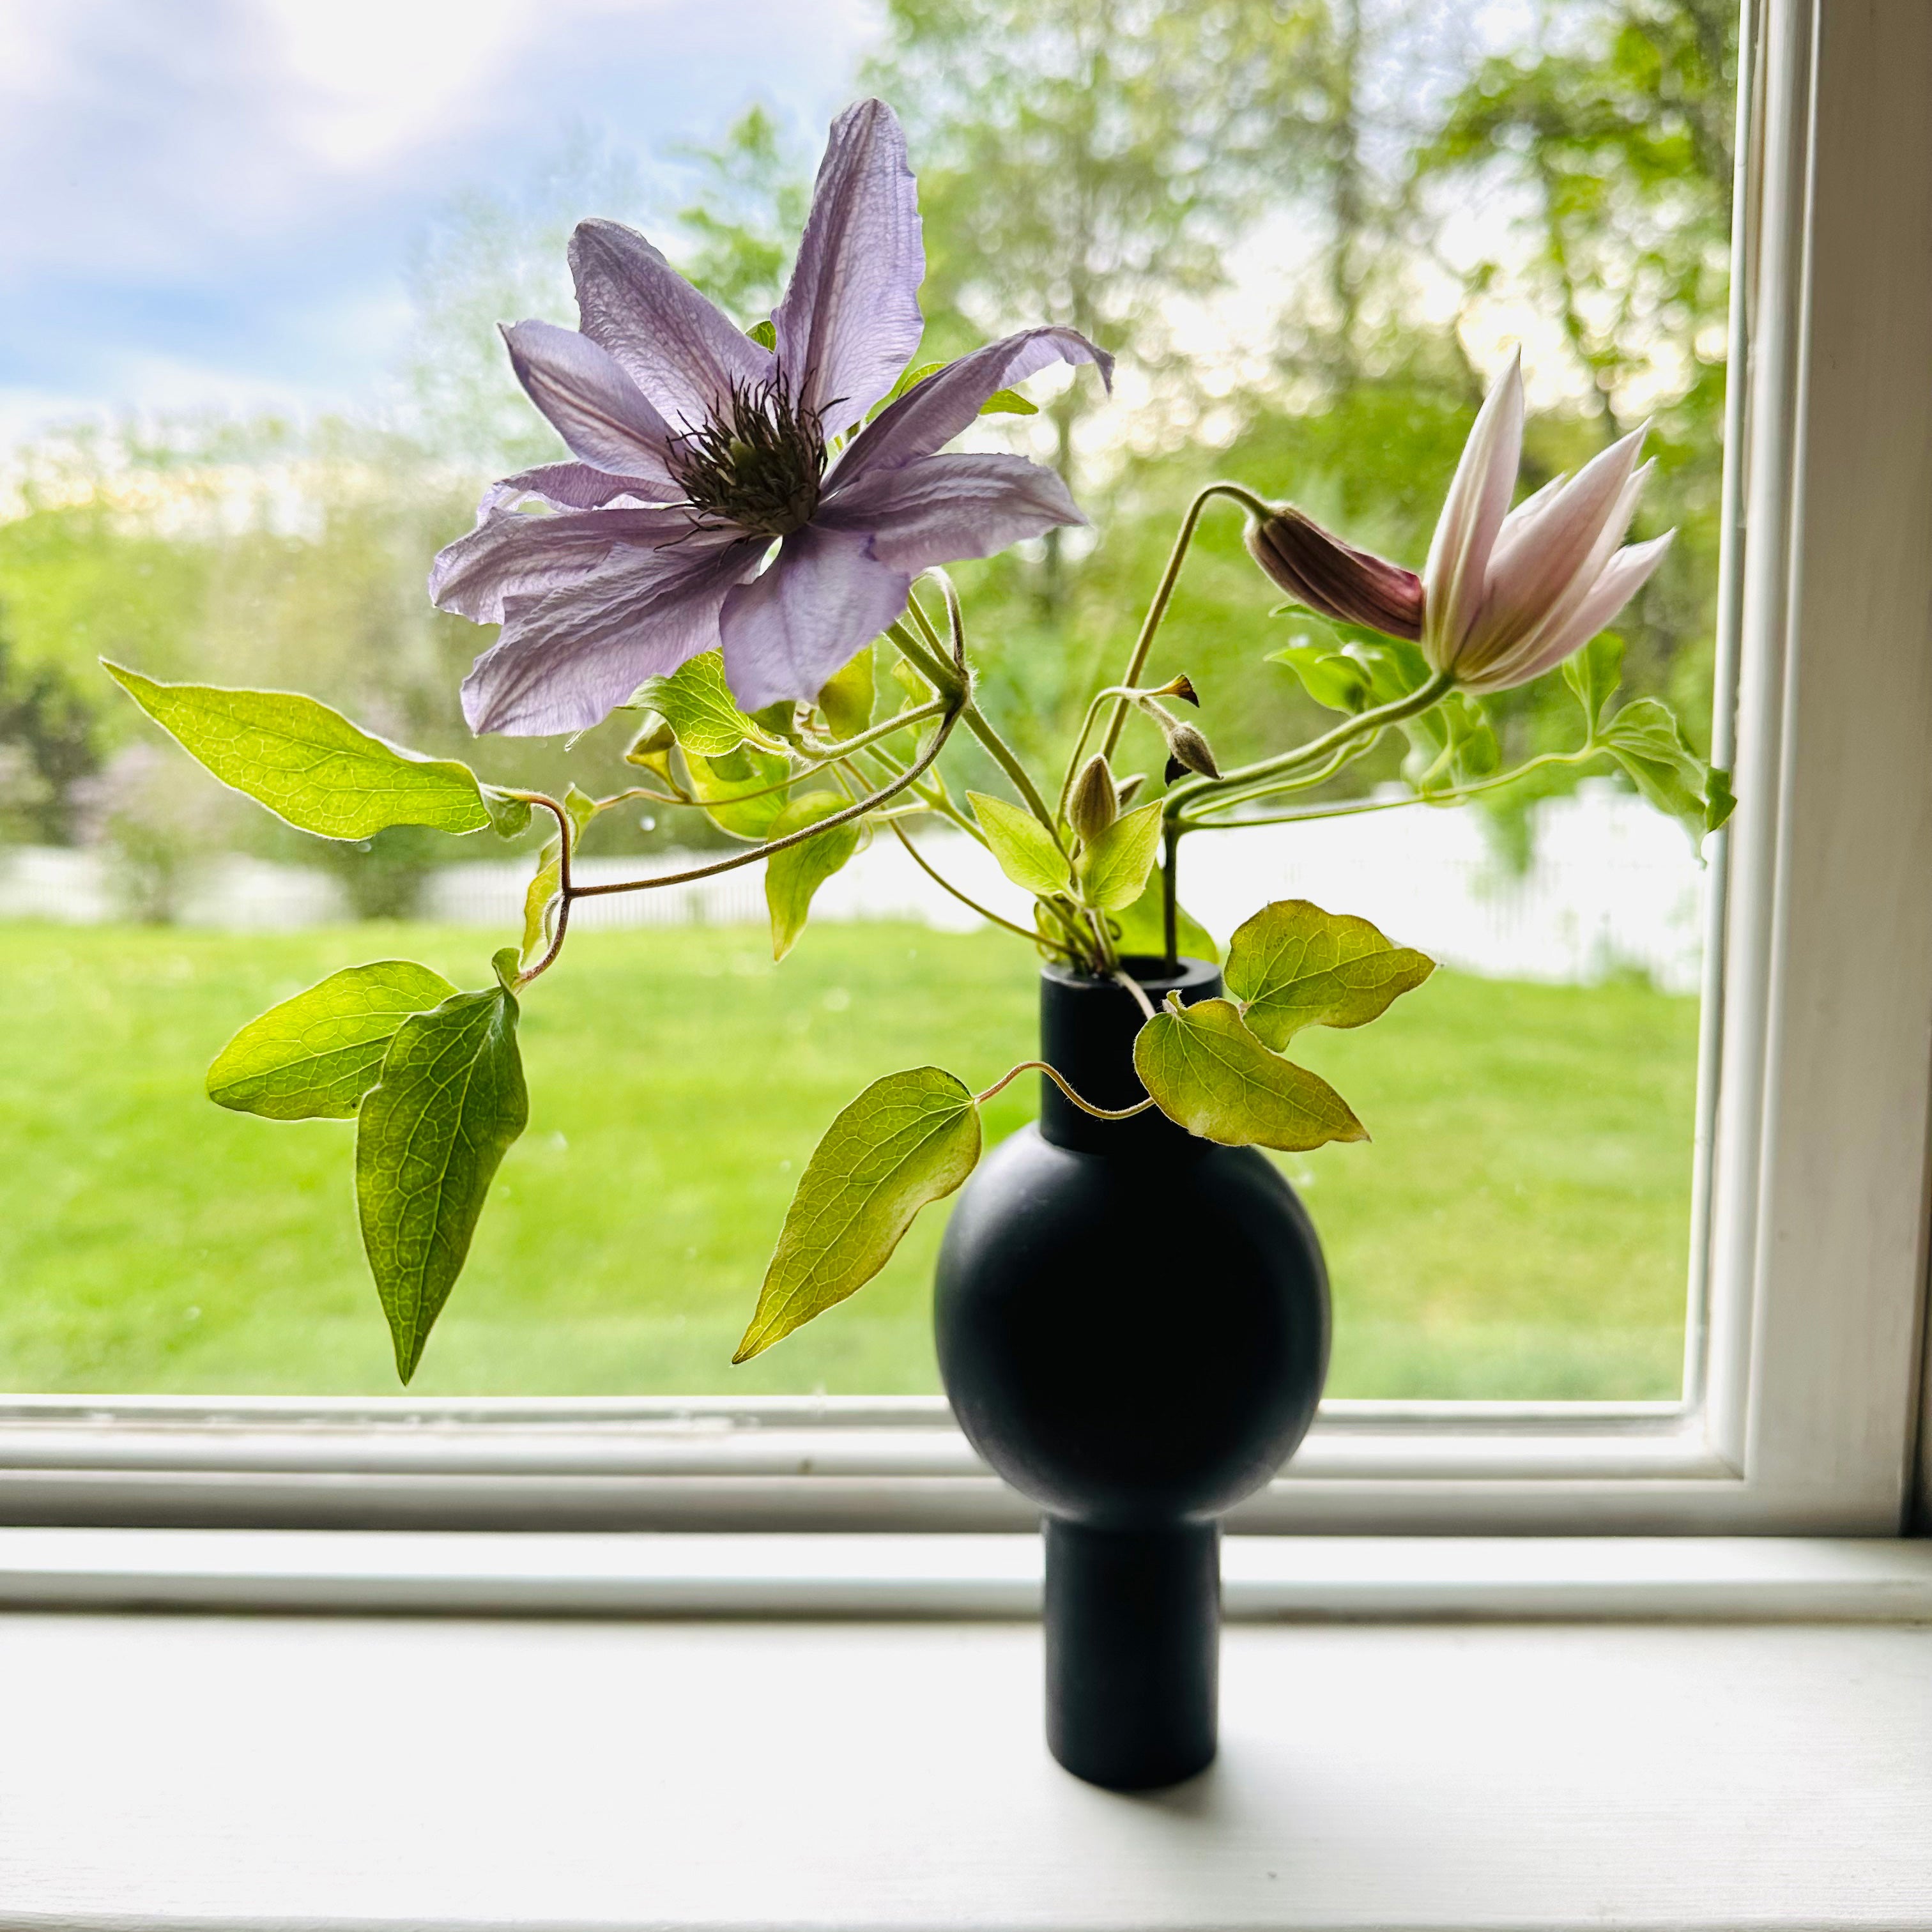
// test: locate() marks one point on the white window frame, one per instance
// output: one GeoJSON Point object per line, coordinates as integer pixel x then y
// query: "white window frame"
{"type": "Point", "coordinates": [1809, 1265]}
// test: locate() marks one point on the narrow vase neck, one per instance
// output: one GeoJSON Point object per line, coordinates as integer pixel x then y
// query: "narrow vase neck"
{"type": "Point", "coordinates": [1086, 1031]}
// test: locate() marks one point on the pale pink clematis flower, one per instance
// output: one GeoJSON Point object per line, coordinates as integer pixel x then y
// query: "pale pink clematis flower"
{"type": "Point", "coordinates": [1508, 594]}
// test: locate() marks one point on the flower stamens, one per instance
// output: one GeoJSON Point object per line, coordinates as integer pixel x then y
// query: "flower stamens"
{"type": "Point", "coordinates": [757, 467]}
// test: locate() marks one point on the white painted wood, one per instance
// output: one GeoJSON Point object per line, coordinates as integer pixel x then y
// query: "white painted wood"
{"type": "Point", "coordinates": [179, 1772]}
{"type": "Point", "coordinates": [1759, 1580]}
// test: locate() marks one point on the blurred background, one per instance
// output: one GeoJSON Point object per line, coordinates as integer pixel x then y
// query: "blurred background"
{"type": "Point", "coordinates": [255, 253]}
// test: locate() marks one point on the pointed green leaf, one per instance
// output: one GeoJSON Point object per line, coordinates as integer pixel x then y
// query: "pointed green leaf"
{"type": "Point", "coordinates": [847, 701]}
{"type": "Point", "coordinates": [580, 808]}
{"type": "Point", "coordinates": [908, 1139]}
{"type": "Point", "coordinates": [1646, 739]}
{"type": "Point", "coordinates": [545, 884]}
{"type": "Point", "coordinates": [1023, 846]}
{"type": "Point", "coordinates": [1331, 677]}
{"type": "Point", "coordinates": [428, 1142]}
{"type": "Point", "coordinates": [742, 791]}
{"type": "Point", "coordinates": [1115, 868]}
{"type": "Point", "coordinates": [1008, 403]}
{"type": "Point", "coordinates": [1209, 1074]}
{"type": "Point", "coordinates": [910, 378]}
{"type": "Point", "coordinates": [764, 334]}
{"type": "Point", "coordinates": [1296, 966]}
{"type": "Point", "coordinates": [314, 1056]}
{"type": "Point", "coordinates": [697, 703]}
{"type": "Point", "coordinates": [1593, 675]}
{"type": "Point", "coordinates": [1142, 931]}
{"type": "Point", "coordinates": [792, 876]}
{"type": "Point", "coordinates": [1451, 744]}
{"type": "Point", "coordinates": [307, 764]}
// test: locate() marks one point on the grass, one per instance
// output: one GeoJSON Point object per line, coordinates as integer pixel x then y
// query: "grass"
{"type": "Point", "coordinates": [1518, 1227]}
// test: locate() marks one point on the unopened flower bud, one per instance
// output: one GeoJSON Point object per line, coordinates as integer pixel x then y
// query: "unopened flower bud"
{"type": "Point", "coordinates": [1092, 805]}
{"type": "Point", "coordinates": [1334, 579]}
{"type": "Point", "coordinates": [1187, 751]}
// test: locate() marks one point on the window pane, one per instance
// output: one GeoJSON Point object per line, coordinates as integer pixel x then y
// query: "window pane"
{"type": "Point", "coordinates": [1314, 232]}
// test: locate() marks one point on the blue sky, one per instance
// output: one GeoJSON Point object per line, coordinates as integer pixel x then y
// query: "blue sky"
{"type": "Point", "coordinates": [211, 202]}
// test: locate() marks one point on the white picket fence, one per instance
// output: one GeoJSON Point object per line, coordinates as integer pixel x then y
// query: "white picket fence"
{"type": "Point", "coordinates": [1613, 887]}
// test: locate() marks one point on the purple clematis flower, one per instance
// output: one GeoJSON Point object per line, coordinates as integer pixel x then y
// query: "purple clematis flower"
{"type": "Point", "coordinates": [704, 506]}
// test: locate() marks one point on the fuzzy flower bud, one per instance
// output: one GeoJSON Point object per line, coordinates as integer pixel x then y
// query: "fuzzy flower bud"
{"type": "Point", "coordinates": [1092, 805]}
{"type": "Point", "coordinates": [1334, 579]}
{"type": "Point", "coordinates": [1187, 751]}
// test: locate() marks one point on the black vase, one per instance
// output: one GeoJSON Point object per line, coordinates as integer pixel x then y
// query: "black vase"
{"type": "Point", "coordinates": [1133, 1326]}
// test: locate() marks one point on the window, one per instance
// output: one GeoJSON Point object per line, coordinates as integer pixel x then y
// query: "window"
{"type": "Point", "coordinates": [1808, 1231]}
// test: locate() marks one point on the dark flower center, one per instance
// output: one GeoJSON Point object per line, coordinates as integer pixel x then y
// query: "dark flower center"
{"type": "Point", "coordinates": [757, 467]}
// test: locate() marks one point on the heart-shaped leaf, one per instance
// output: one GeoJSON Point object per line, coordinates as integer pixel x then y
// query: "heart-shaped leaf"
{"type": "Point", "coordinates": [792, 876]}
{"type": "Point", "coordinates": [1023, 846]}
{"type": "Point", "coordinates": [1115, 868]}
{"type": "Point", "coordinates": [697, 703]}
{"type": "Point", "coordinates": [308, 764]}
{"type": "Point", "coordinates": [908, 1139]}
{"type": "Point", "coordinates": [1296, 966]}
{"type": "Point", "coordinates": [314, 1056]}
{"type": "Point", "coordinates": [1646, 740]}
{"type": "Point", "coordinates": [1209, 1074]}
{"type": "Point", "coordinates": [428, 1142]}
{"type": "Point", "coordinates": [1332, 678]}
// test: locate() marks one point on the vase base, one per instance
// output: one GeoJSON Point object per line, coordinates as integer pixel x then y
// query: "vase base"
{"type": "Point", "coordinates": [1133, 1630]}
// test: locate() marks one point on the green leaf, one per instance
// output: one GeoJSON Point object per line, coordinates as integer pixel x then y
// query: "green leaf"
{"type": "Point", "coordinates": [545, 884]}
{"type": "Point", "coordinates": [764, 334]}
{"type": "Point", "coordinates": [1451, 745]}
{"type": "Point", "coordinates": [1115, 869]}
{"type": "Point", "coordinates": [792, 876]}
{"type": "Point", "coordinates": [1008, 403]}
{"type": "Point", "coordinates": [697, 703]}
{"type": "Point", "coordinates": [1333, 678]}
{"type": "Point", "coordinates": [307, 764]}
{"type": "Point", "coordinates": [1646, 740]}
{"type": "Point", "coordinates": [314, 1056]}
{"type": "Point", "coordinates": [580, 808]}
{"type": "Point", "coordinates": [1142, 931]}
{"type": "Point", "coordinates": [509, 817]}
{"type": "Point", "coordinates": [910, 378]}
{"type": "Point", "coordinates": [1296, 966]}
{"type": "Point", "coordinates": [1593, 675]}
{"type": "Point", "coordinates": [428, 1142]}
{"type": "Point", "coordinates": [1209, 1074]}
{"type": "Point", "coordinates": [1023, 846]}
{"type": "Point", "coordinates": [908, 1139]}
{"type": "Point", "coordinates": [847, 701]}
{"type": "Point", "coordinates": [743, 791]}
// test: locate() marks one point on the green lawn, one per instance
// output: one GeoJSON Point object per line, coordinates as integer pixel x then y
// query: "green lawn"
{"type": "Point", "coordinates": [1518, 1227]}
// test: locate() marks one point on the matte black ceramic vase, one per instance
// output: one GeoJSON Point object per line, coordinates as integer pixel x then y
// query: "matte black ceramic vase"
{"type": "Point", "coordinates": [1133, 1329]}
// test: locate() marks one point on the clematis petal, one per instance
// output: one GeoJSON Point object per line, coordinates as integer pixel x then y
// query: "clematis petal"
{"type": "Point", "coordinates": [850, 320]}
{"type": "Point", "coordinates": [1622, 578]}
{"type": "Point", "coordinates": [680, 350]}
{"type": "Point", "coordinates": [511, 554]}
{"type": "Point", "coordinates": [822, 601]}
{"type": "Point", "coordinates": [1537, 556]}
{"type": "Point", "coordinates": [943, 509]}
{"type": "Point", "coordinates": [929, 416]}
{"type": "Point", "coordinates": [598, 411]}
{"type": "Point", "coordinates": [577, 486]}
{"type": "Point", "coordinates": [566, 660]}
{"type": "Point", "coordinates": [1472, 514]}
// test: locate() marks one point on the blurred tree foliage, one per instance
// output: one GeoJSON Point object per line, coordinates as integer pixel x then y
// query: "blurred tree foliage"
{"type": "Point", "coordinates": [1133, 168]}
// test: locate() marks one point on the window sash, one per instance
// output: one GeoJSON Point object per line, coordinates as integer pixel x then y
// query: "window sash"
{"type": "Point", "coordinates": [1809, 1255]}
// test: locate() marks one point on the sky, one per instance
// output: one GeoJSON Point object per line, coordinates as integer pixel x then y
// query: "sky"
{"type": "Point", "coordinates": [211, 203]}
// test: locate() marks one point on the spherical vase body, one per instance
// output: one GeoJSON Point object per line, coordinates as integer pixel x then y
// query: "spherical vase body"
{"type": "Point", "coordinates": [1133, 1326]}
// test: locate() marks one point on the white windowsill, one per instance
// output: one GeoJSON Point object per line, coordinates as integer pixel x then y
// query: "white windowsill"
{"type": "Point", "coordinates": [875, 1761]}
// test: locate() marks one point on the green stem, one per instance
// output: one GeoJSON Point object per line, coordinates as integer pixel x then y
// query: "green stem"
{"type": "Point", "coordinates": [1170, 894]}
{"type": "Point", "coordinates": [1163, 594]}
{"type": "Point", "coordinates": [986, 913]}
{"type": "Point", "coordinates": [1086, 1107]}
{"type": "Point", "coordinates": [1181, 800]}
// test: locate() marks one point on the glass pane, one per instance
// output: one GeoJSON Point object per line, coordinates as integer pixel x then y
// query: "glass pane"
{"type": "Point", "coordinates": [1313, 233]}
